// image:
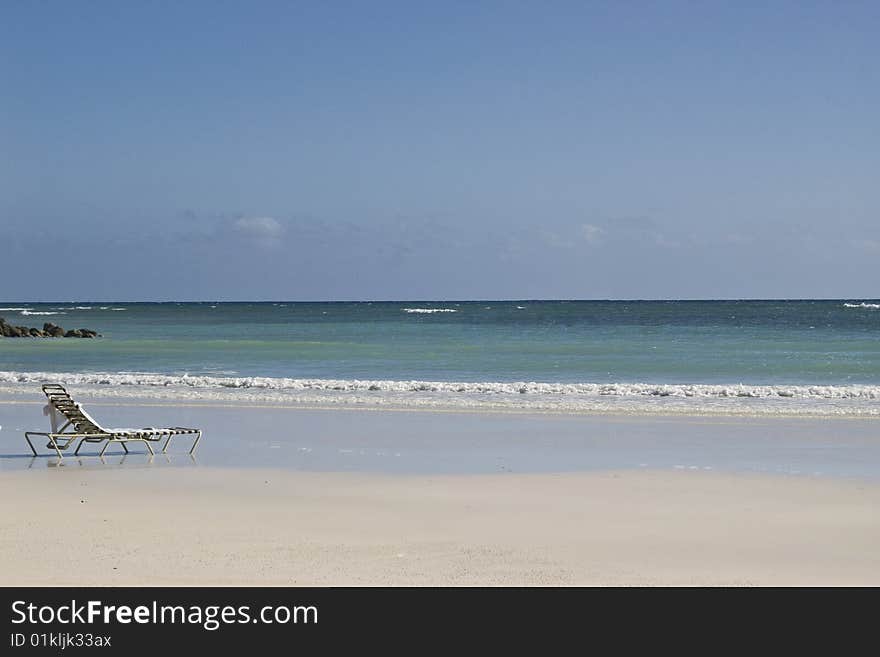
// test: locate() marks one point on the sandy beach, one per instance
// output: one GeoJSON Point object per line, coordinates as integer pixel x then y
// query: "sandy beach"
{"type": "Point", "coordinates": [209, 526]}
{"type": "Point", "coordinates": [299, 496]}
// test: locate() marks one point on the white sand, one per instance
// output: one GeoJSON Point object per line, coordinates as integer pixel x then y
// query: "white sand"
{"type": "Point", "coordinates": [187, 526]}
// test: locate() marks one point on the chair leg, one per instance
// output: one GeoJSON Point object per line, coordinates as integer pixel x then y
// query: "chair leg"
{"type": "Point", "coordinates": [125, 447]}
{"type": "Point", "coordinates": [167, 442]}
{"type": "Point", "coordinates": [105, 447]}
{"type": "Point", "coordinates": [30, 444]}
{"type": "Point", "coordinates": [149, 447]}
{"type": "Point", "coordinates": [196, 443]}
{"type": "Point", "coordinates": [55, 445]}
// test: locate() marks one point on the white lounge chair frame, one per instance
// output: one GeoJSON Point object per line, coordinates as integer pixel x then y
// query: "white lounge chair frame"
{"type": "Point", "coordinates": [81, 427]}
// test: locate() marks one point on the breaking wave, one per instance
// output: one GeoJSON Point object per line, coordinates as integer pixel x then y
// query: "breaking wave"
{"type": "Point", "coordinates": [696, 399]}
{"type": "Point", "coordinates": [871, 306]}
{"type": "Point", "coordinates": [42, 312]}
{"type": "Point", "coordinates": [428, 311]}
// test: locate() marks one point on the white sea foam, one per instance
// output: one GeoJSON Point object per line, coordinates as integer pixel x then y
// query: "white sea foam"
{"type": "Point", "coordinates": [427, 311]}
{"type": "Point", "coordinates": [15, 308]}
{"type": "Point", "coordinates": [695, 399]}
{"type": "Point", "coordinates": [488, 387]}
{"type": "Point", "coordinates": [871, 306]}
{"type": "Point", "coordinates": [42, 312]}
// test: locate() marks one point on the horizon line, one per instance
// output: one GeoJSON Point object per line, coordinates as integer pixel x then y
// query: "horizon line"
{"type": "Point", "coordinates": [427, 300]}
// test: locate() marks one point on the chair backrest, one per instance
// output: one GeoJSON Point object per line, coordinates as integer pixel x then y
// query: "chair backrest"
{"type": "Point", "coordinates": [61, 400]}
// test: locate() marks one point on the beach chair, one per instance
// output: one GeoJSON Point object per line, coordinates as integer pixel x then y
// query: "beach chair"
{"type": "Point", "coordinates": [79, 427]}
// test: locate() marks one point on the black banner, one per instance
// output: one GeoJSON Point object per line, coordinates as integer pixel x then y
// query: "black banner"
{"type": "Point", "coordinates": [135, 620]}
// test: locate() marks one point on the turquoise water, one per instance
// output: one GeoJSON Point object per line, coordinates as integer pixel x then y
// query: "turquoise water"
{"type": "Point", "coordinates": [828, 343]}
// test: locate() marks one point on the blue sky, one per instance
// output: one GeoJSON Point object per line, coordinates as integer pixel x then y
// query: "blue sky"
{"type": "Point", "coordinates": [398, 150]}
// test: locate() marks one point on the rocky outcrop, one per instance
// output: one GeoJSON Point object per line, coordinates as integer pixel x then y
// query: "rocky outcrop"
{"type": "Point", "coordinates": [53, 331]}
{"type": "Point", "coordinates": [80, 333]}
{"type": "Point", "coordinates": [50, 330]}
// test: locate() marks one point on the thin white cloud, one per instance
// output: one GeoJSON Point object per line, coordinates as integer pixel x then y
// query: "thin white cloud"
{"type": "Point", "coordinates": [266, 231]}
{"type": "Point", "coordinates": [592, 233]}
{"type": "Point", "coordinates": [640, 230]}
{"type": "Point", "coordinates": [259, 226]}
{"type": "Point", "coordinates": [737, 238]}
{"type": "Point", "coordinates": [871, 246]}
{"type": "Point", "coordinates": [555, 240]}
{"type": "Point", "coordinates": [665, 242]}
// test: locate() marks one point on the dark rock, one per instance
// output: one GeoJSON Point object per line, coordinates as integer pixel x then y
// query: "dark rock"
{"type": "Point", "coordinates": [50, 330]}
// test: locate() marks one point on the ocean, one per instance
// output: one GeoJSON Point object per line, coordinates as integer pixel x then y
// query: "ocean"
{"type": "Point", "coordinates": [741, 357]}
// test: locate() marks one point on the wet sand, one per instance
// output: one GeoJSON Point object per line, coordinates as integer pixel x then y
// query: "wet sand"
{"type": "Point", "coordinates": [431, 442]}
